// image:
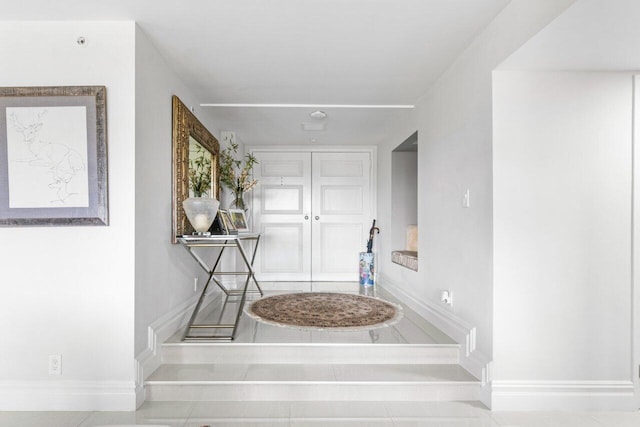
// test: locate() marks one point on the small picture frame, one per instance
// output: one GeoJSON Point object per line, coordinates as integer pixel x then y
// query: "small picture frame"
{"type": "Point", "coordinates": [226, 222]}
{"type": "Point", "coordinates": [239, 219]}
{"type": "Point", "coordinates": [217, 227]}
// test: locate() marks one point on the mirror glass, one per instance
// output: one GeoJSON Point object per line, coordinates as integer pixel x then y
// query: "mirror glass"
{"type": "Point", "coordinates": [196, 164]}
{"type": "Point", "coordinates": [200, 170]}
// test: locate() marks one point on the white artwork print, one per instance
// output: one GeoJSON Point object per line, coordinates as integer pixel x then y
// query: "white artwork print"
{"type": "Point", "coordinates": [47, 157]}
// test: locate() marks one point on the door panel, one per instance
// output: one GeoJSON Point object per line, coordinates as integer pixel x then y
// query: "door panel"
{"type": "Point", "coordinates": [282, 199]}
{"type": "Point", "coordinates": [341, 167]}
{"type": "Point", "coordinates": [281, 202]}
{"type": "Point", "coordinates": [341, 205]}
{"type": "Point", "coordinates": [277, 167]}
{"type": "Point", "coordinates": [341, 200]}
{"type": "Point", "coordinates": [284, 243]}
{"type": "Point", "coordinates": [340, 245]}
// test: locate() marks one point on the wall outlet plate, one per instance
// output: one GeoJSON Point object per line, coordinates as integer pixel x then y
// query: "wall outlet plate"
{"type": "Point", "coordinates": [446, 298]}
{"type": "Point", "coordinates": [55, 364]}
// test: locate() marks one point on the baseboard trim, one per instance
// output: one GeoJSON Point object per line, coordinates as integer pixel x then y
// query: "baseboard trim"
{"type": "Point", "coordinates": [67, 396]}
{"type": "Point", "coordinates": [455, 327]}
{"type": "Point", "coordinates": [563, 396]}
{"type": "Point", "coordinates": [157, 333]}
{"type": "Point", "coordinates": [518, 395]}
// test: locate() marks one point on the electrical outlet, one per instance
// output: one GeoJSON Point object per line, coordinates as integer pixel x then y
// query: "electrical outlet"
{"type": "Point", "coordinates": [446, 298]}
{"type": "Point", "coordinates": [55, 364]}
{"type": "Point", "coordinates": [195, 284]}
{"type": "Point", "coordinates": [466, 199]}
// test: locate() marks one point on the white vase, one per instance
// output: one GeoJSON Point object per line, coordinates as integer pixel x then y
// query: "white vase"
{"type": "Point", "coordinates": [201, 211]}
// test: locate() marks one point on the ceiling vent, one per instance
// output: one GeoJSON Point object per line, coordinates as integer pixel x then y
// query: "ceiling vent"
{"type": "Point", "coordinates": [313, 126]}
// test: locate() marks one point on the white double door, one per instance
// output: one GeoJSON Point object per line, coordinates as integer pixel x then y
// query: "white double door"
{"type": "Point", "coordinates": [314, 211]}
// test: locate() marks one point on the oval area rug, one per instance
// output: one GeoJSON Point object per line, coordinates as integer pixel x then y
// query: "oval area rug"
{"type": "Point", "coordinates": [324, 310]}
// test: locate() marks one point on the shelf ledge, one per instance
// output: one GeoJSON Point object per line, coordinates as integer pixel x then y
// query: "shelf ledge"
{"type": "Point", "coordinates": [407, 259]}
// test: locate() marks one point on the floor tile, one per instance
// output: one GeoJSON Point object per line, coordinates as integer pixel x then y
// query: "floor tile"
{"type": "Point", "coordinates": [444, 422]}
{"type": "Point", "coordinates": [199, 372]}
{"type": "Point", "coordinates": [322, 422]}
{"type": "Point", "coordinates": [631, 419]}
{"type": "Point", "coordinates": [119, 424]}
{"type": "Point", "coordinates": [173, 414]}
{"type": "Point", "coordinates": [240, 410]}
{"type": "Point", "coordinates": [293, 372]}
{"type": "Point", "coordinates": [114, 418]}
{"type": "Point", "coordinates": [437, 409]}
{"type": "Point", "coordinates": [238, 422]}
{"type": "Point", "coordinates": [544, 419]}
{"type": "Point", "coordinates": [392, 372]}
{"type": "Point", "coordinates": [42, 419]}
{"type": "Point", "coordinates": [331, 410]}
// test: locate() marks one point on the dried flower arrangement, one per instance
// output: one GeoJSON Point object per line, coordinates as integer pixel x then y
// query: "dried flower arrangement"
{"type": "Point", "coordinates": [236, 174]}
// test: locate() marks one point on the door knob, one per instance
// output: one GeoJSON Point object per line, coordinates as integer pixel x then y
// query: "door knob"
{"type": "Point", "coordinates": [317, 217]}
{"type": "Point", "coordinates": [306, 217]}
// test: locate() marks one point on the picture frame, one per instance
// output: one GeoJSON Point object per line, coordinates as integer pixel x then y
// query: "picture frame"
{"type": "Point", "coordinates": [239, 219]}
{"type": "Point", "coordinates": [53, 156]}
{"type": "Point", "coordinates": [217, 227]}
{"type": "Point", "coordinates": [229, 228]}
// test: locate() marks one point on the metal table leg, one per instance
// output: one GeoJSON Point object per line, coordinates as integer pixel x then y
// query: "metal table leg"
{"type": "Point", "coordinates": [242, 293]}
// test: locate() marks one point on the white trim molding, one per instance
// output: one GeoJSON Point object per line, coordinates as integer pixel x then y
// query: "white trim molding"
{"type": "Point", "coordinates": [157, 333]}
{"type": "Point", "coordinates": [458, 329]}
{"type": "Point", "coordinates": [67, 396]}
{"type": "Point", "coordinates": [563, 396]}
{"type": "Point", "coordinates": [347, 106]}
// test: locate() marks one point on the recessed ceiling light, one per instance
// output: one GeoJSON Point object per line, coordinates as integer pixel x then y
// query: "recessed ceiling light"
{"type": "Point", "coordinates": [314, 140]}
{"type": "Point", "coordinates": [319, 115]}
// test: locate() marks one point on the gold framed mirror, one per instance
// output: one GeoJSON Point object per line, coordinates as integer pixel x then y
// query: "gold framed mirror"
{"type": "Point", "coordinates": [193, 147]}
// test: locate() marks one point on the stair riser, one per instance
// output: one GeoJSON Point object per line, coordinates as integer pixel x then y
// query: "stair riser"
{"type": "Point", "coordinates": [314, 392]}
{"type": "Point", "coordinates": [194, 354]}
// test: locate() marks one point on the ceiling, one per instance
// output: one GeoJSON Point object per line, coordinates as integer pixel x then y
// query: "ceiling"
{"type": "Point", "coordinates": [592, 35]}
{"type": "Point", "coordinates": [373, 52]}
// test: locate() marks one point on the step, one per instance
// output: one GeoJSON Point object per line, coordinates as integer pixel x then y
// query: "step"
{"type": "Point", "coordinates": [311, 382]}
{"type": "Point", "coordinates": [309, 353]}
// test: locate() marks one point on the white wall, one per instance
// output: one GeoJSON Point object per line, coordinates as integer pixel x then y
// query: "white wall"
{"type": "Point", "coordinates": [164, 272]}
{"type": "Point", "coordinates": [70, 290]}
{"type": "Point", "coordinates": [454, 122]}
{"type": "Point", "coordinates": [562, 237]}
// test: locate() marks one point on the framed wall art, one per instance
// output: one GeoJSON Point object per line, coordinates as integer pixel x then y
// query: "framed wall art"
{"type": "Point", "coordinates": [53, 156]}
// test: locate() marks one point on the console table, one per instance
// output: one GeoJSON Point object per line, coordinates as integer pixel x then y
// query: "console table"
{"type": "Point", "coordinates": [221, 241]}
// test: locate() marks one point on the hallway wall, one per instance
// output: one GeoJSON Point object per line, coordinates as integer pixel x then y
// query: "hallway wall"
{"type": "Point", "coordinates": [70, 290]}
{"type": "Point", "coordinates": [164, 272]}
{"type": "Point", "coordinates": [454, 123]}
{"type": "Point", "coordinates": [562, 227]}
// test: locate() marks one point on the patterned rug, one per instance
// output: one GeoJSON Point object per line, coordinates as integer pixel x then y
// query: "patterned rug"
{"type": "Point", "coordinates": [324, 310]}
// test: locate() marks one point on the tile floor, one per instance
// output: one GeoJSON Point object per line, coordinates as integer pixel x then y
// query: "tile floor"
{"type": "Point", "coordinates": [411, 329]}
{"type": "Point", "coordinates": [332, 414]}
